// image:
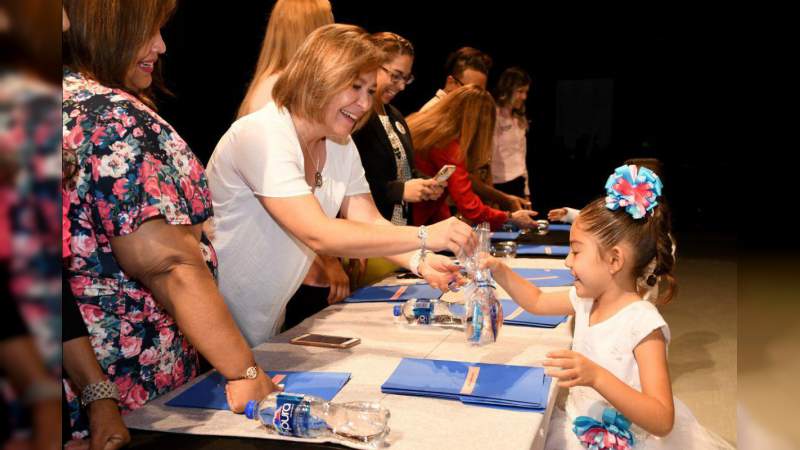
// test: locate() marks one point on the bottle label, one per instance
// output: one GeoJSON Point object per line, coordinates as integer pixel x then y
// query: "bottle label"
{"type": "Point", "coordinates": [290, 417]}
{"type": "Point", "coordinates": [423, 310]}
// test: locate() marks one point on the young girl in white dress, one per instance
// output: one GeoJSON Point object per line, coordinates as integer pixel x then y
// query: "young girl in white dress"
{"type": "Point", "coordinates": [620, 395]}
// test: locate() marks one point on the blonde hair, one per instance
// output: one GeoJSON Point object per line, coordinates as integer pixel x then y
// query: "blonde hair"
{"type": "Point", "coordinates": [467, 114]}
{"type": "Point", "coordinates": [328, 62]}
{"type": "Point", "coordinates": [290, 22]}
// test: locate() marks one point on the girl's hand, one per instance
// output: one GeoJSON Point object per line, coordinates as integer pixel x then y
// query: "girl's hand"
{"type": "Point", "coordinates": [574, 369]}
{"type": "Point", "coordinates": [557, 215]}
{"type": "Point", "coordinates": [488, 261]}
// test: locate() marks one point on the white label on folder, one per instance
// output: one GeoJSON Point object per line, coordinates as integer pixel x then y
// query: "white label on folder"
{"type": "Point", "coordinates": [471, 380]}
{"type": "Point", "coordinates": [517, 312]}
{"type": "Point", "coordinates": [399, 292]}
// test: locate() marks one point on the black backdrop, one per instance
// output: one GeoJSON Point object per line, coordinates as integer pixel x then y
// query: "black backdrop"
{"type": "Point", "coordinates": [608, 85]}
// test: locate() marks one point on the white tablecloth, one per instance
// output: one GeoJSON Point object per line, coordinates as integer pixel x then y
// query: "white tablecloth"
{"type": "Point", "coordinates": [416, 422]}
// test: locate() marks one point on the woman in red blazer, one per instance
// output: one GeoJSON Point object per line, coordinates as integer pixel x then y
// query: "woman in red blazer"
{"type": "Point", "coordinates": [458, 130]}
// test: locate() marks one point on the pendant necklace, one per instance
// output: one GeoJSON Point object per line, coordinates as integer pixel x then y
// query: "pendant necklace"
{"type": "Point", "coordinates": [317, 175]}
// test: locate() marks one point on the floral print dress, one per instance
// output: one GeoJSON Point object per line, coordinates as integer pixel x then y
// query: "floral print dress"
{"type": "Point", "coordinates": [131, 166]}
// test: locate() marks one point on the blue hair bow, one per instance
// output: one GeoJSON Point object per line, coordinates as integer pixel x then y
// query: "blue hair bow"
{"type": "Point", "coordinates": [633, 188]}
{"type": "Point", "coordinates": [612, 434]}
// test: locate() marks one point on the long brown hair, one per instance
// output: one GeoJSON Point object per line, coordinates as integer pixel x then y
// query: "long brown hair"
{"type": "Point", "coordinates": [649, 236]}
{"type": "Point", "coordinates": [290, 22]}
{"type": "Point", "coordinates": [467, 114]}
{"type": "Point", "coordinates": [105, 37]}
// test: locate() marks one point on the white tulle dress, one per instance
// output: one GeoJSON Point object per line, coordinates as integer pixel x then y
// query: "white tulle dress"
{"type": "Point", "coordinates": [610, 344]}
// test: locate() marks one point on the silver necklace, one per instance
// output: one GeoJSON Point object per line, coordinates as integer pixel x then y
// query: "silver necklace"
{"type": "Point", "coordinates": [317, 174]}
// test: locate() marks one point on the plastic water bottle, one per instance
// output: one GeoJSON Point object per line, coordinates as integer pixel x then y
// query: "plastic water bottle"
{"type": "Point", "coordinates": [307, 416]}
{"type": "Point", "coordinates": [484, 313]}
{"type": "Point", "coordinates": [425, 312]}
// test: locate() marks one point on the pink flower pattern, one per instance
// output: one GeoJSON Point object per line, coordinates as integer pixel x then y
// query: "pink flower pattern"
{"type": "Point", "coordinates": [132, 166]}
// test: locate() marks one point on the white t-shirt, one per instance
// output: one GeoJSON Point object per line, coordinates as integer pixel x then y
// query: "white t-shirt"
{"type": "Point", "coordinates": [440, 94]}
{"type": "Point", "coordinates": [261, 265]}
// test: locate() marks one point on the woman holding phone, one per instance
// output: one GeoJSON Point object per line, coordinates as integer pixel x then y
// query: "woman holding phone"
{"type": "Point", "coordinates": [458, 131]}
{"type": "Point", "coordinates": [384, 142]}
{"type": "Point", "coordinates": [387, 152]}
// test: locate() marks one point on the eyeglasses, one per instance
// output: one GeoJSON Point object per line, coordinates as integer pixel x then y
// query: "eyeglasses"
{"type": "Point", "coordinates": [397, 77]}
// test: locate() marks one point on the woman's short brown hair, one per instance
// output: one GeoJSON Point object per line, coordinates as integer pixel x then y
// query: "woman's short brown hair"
{"type": "Point", "coordinates": [331, 58]}
{"type": "Point", "coordinates": [105, 36]}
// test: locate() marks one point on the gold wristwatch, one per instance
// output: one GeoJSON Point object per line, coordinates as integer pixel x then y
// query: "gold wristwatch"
{"type": "Point", "coordinates": [251, 373]}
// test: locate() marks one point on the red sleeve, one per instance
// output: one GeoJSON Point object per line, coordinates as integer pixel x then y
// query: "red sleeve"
{"type": "Point", "coordinates": [459, 187]}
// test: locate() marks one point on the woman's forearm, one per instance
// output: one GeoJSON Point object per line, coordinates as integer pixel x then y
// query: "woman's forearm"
{"type": "Point", "coordinates": [189, 293]}
{"type": "Point", "coordinates": [348, 238]}
{"type": "Point", "coordinates": [524, 293]}
{"type": "Point", "coordinates": [81, 364]}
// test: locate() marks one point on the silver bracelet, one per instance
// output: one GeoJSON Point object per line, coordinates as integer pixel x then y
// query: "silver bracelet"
{"type": "Point", "coordinates": [99, 391]}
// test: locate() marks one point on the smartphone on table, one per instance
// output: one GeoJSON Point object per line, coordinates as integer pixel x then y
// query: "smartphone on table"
{"type": "Point", "coordinates": [323, 340]}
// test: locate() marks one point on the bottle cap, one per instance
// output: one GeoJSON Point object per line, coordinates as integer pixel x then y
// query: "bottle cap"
{"type": "Point", "coordinates": [396, 311]}
{"type": "Point", "coordinates": [250, 409]}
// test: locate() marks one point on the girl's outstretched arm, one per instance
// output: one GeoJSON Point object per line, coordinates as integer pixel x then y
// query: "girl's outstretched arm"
{"type": "Point", "coordinates": [525, 293]}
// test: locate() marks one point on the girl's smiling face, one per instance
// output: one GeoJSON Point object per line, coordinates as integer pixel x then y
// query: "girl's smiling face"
{"type": "Point", "coordinates": [592, 276]}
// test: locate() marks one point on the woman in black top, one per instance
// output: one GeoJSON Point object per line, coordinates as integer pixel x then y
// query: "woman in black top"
{"type": "Point", "coordinates": [384, 142]}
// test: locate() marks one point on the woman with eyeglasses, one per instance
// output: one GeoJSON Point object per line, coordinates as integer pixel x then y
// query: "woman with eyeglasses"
{"type": "Point", "coordinates": [384, 142]}
{"type": "Point", "coordinates": [385, 146]}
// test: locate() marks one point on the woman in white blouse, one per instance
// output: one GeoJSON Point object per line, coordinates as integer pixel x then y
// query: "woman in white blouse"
{"type": "Point", "coordinates": [280, 176]}
{"type": "Point", "coordinates": [509, 170]}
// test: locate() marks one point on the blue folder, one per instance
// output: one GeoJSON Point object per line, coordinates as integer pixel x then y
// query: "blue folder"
{"type": "Point", "coordinates": [524, 319]}
{"type": "Point", "coordinates": [547, 277]}
{"type": "Point", "coordinates": [210, 393]}
{"type": "Point", "coordinates": [497, 385]}
{"type": "Point", "coordinates": [385, 293]}
{"type": "Point", "coordinates": [505, 235]}
{"type": "Point", "coordinates": [533, 249]}
{"type": "Point", "coordinates": [560, 226]}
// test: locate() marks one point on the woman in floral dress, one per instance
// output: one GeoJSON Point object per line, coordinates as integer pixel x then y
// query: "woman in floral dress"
{"type": "Point", "coordinates": [141, 268]}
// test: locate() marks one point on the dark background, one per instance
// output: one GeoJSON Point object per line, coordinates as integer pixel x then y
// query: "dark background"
{"type": "Point", "coordinates": [608, 85]}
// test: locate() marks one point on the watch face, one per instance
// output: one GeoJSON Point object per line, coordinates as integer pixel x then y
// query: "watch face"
{"type": "Point", "coordinates": [251, 373]}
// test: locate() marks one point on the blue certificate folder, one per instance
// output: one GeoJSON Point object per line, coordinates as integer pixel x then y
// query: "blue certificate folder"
{"type": "Point", "coordinates": [210, 393]}
{"type": "Point", "coordinates": [495, 385]}
{"type": "Point", "coordinates": [513, 314]}
{"type": "Point", "coordinates": [390, 293]}
{"type": "Point", "coordinates": [547, 277]}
